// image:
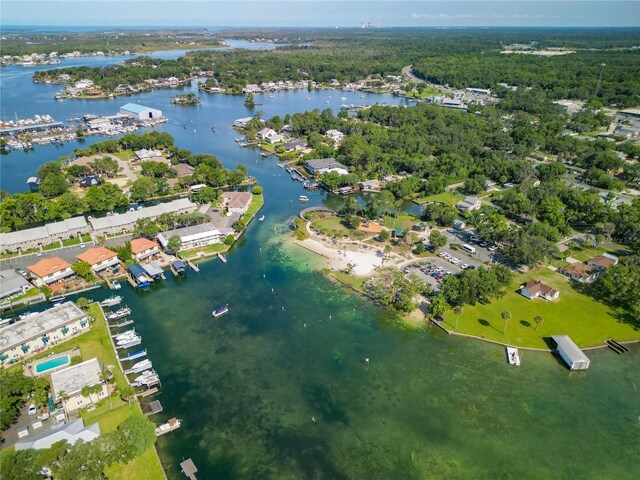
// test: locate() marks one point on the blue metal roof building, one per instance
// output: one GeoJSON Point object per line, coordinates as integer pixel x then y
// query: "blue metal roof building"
{"type": "Point", "coordinates": [140, 112]}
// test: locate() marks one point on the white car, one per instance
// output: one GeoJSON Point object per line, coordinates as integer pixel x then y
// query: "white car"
{"type": "Point", "coordinates": [82, 245]}
{"type": "Point", "coordinates": [32, 409]}
{"type": "Point", "coordinates": [464, 266]}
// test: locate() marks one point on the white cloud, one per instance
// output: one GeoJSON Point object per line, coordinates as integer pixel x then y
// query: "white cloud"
{"type": "Point", "coordinates": [442, 16]}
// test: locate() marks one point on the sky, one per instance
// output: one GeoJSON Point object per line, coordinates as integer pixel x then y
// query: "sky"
{"type": "Point", "coordinates": [321, 13]}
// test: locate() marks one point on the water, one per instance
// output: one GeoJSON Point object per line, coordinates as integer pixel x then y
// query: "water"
{"type": "Point", "coordinates": [51, 364]}
{"type": "Point", "coordinates": [249, 385]}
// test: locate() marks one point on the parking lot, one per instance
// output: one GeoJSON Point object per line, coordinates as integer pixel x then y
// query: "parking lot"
{"type": "Point", "coordinates": [481, 255]}
{"type": "Point", "coordinates": [431, 270]}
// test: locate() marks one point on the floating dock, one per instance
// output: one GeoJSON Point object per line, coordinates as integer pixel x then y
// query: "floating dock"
{"type": "Point", "coordinates": [189, 469]}
{"type": "Point", "coordinates": [222, 257]}
{"type": "Point", "coordinates": [615, 346]}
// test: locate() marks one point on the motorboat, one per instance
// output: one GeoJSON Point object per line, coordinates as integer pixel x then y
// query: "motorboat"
{"type": "Point", "coordinates": [140, 367]}
{"type": "Point", "coordinates": [57, 299]}
{"type": "Point", "coordinates": [170, 426]}
{"type": "Point", "coordinates": [148, 379]}
{"type": "Point", "coordinates": [261, 219]}
{"type": "Point", "coordinates": [513, 357]}
{"type": "Point", "coordinates": [122, 312]}
{"type": "Point", "coordinates": [111, 301]}
{"type": "Point", "coordinates": [124, 335]}
{"type": "Point", "coordinates": [303, 198]}
{"type": "Point", "coordinates": [220, 310]}
{"type": "Point", "coordinates": [116, 285]}
{"type": "Point", "coordinates": [128, 340]}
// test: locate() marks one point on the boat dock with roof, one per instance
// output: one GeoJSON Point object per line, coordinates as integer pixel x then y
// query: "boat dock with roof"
{"type": "Point", "coordinates": [570, 353]}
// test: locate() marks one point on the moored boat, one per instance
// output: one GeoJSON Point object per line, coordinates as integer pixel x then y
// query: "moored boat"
{"type": "Point", "coordinates": [303, 198]}
{"type": "Point", "coordinates": [513, 357]}
{"type": "Point", "coordinates": [111, 301]}
{"type": "Point", "coordinates": [261, 219]}
{"type": "Point", "coordinates": [123, 312]}
{"type": "Point", "coordinates": [220, 310]}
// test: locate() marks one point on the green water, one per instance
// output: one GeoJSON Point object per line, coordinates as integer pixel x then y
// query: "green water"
{"type": "Point", "coordinates": [426, 406]}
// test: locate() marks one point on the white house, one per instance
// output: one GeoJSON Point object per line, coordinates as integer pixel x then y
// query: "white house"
{"type": "Point", "coordinates": [50, 270]}
{"type": "Point", "coordinates": [140, 112]}
{"type": "Point", "coordinates": [193, 236]}
{"type": "Point", "coordinates": [269, 135]}
{"type": "Point", "coordinates": [83, 84]}
{"type": "Point", "coordinates": [142, 248]}
{"type": "Point", "coordinates": [535, 288]}
{"type": "Point", "coordinates": [335, 135]}
{"type": "Point", "coordinates": [72, 380]}
{"type": "Point", "coordinates": [469, 204]}
{"type": "Point", "coordinates": [237, 202]}
{"type": "Point", "coordinates": [325, 165]}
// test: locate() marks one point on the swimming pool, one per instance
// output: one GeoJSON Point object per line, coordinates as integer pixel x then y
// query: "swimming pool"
{"type": "Point", "coordinates": [53, 363]}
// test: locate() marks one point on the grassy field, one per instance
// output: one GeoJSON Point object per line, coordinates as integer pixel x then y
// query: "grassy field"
{"type": "Point", "coordinates": [585, 254]}
{"type": "Point", "coordinates": [125, 155]}
{"type": "Point", "coordinates": [351, 280]}
{"type": "Point", "coordinates": [404, 220]}
{"type": "Point", "coordinates": [585, 320]}
{"type": "Point", "coordinates": [256, 204]}
{"type": "Point", "coordinates": [449, 198]}
{"type": "Point", "coordinates": [209, 249]}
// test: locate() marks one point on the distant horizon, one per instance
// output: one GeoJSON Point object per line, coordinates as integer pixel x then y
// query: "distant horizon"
{"type": "Point", "coordinates": [323, 13]}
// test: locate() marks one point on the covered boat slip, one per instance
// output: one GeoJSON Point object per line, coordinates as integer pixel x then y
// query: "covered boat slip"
{"type": "Point", "coordinates": [570, 353]}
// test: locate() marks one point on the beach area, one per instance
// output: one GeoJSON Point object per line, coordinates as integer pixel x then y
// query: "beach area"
{"type": "Point", "coordinates": [363, 263]}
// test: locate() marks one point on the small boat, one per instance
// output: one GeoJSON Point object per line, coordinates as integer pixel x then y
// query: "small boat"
{"type": "Point", "coordinates": [111, 301]}
{"type": "Point", "coordinates": [280, 165]}
{"type": "Point", "coordinates": [132, 342]}
{"type": "Point", "coordinates": [219, 311]}
{"type": "Point", "coordinates": [57, 299]}
{"type": "Point", "coordinates": [308, 98]}
{"type": "Point", "coordinates": [170, 426]}
{"type": "Point", "coordinates": [116, 285]}
{"type": "Point", "coordinates": [123, 312]}
{"type": "Point", "coordinates": [125, 335]}
{"type": "Point", "coordinates": [264, 154]}
{"type": "Point", "coordinates": [128, 339]}
{"type": "Point", "coordinates": [343, 98]}
{"type": "Point", "coordinates": [140, 367]}
{"type": "Point", "coordinates": [303, 198]}
{"type": "Point", "coordinates": [261, 219]}
{"type": "Point", "coordinates": [213, 129]}
{"type": "Point", "coordinates": [513, 357]}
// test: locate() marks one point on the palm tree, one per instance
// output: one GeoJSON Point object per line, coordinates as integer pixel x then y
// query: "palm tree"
{"type": "Point", "coordinates": [506, 316]}
{"type": "Point", "coordinates": [539, 320]}
{"type": "Point", "coordinates": [457, 310]}
{"type": "Point", "coordinates": [63, 398]}
{"type": "Point", "coordinates": [105, 377]}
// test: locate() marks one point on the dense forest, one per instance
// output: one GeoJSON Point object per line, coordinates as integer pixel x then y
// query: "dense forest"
{"type": "Point", "coordinates": [461, 58]}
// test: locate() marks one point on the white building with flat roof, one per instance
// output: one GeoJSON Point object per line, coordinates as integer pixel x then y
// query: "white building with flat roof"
{"type": "Point", "coordinates": [39, 331]}
{"type": "Point", "coordinates": [140, 112]}
{"type": "Point", "coordinates": [193, 236]}
{"type": "Point", "coordinates": [42, 236]}
{"type": "Point", "coordinates": [70, 382]}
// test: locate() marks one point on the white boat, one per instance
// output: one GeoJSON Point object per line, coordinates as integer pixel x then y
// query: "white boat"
{"type": "Point", "coordinates": [129, 340]}
{"type": "Point", "coordinates": [116, 285]}
{"type": "Point", "coordinates": [343, 98]}
{"type": "Point", "coordinates": [220, 310]}
{"type": "Point", "coordinates": [123, 312]}
{"type": "Point", "coordinates": [303, 198]}
{"type": "Point", "coordinates": [170, 426]}
{"type": "Point", "coordinates": [140, 367]}
{"type": "Point", "coordinates": [128, 334]}
{"type": "Point", "coordinates": [513, 357]}
{"type": "Point", "coordinates": [147, 378]}
{"type": "Point", "coordinates": [261, 219]}
{"type": "Point", "coordinates": [111, 301]}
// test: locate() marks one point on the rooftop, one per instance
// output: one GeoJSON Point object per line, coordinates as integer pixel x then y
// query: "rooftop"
{"type": "Point", "coordinates": [322, 163]}
{"type": "Point", "coordinates": [134, 108]}
{"type": "Point", "coordinates": [139, 245]}
{"type": "Point", "coordinates": [190, 233]}
{"type": "Point", "coordinates": [578, 269]}
{"type": "Point", "coordinates": [602, 260]}
{"type": "Point", "coordinates": [129, 218]}
{"type": "Point", "coordinates": [11, 281]}
{"type": "Point", "coordinates": [71, 432]}
{"type": "Point", "coordinates": [237, 199]}
{"type": "Point", "coordinates": [569, 348]}
{"type": "Point", "coordinates": [96, 255]}
{"type": "Point", "coordinates": [47, 266]}
{"type": "Point", "coordinates": [72, 379]}
{"type": "Point", "coordinates": [42, 233]}
{"type": "Point", "coordinates": [38, 325]}
{"type": "Point", "coordinates": [536, 286]}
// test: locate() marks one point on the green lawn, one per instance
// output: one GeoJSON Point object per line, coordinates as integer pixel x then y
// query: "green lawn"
{"type": "Point", "coordinates": [213, 248]}
{"type": "Point", "coordinates": [585, 254]}
{"type": "Point", "coordinates": [145, 467]}
{"type": "Point", "coordinates": [404, 220]}
{"type": "Point", "coordinates": [448, 198]}
{"type": "Point", "coordinates": [52, 246]}
{"type": "Point", "coordinates": [256, 204]}
{"type": "Point", "coordinates": [71, 241]}
{"type": "Point", "coordinates": [351, 280]}
{"type": "Point", "coordinates": [32, 292]}
{"type": "Point", "coordinates": [125, 155]}
{"type": "Point", "coordinates": [332, 226]}
{"type": "Point", "coordinates": [585, 320]}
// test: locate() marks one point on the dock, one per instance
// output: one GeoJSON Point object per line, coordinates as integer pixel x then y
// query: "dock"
{"type": "Point", "coordinates": [123, 324]}
{"type": "Point", "coordinates": [133, 356]}
{"type": "Point", "coordinates": [189, 469]}
{"type": "Point", "coordinates": [191, 264]}
{"type": "Point", "coordinates": [155, 407]}
{"type": "Point", "coordinates": [170, 426]}
{"type": "Point", "coordinates": [222, 257]}
{"type": "Point", "coordinates": [177, 267]}
{"type": "Point", "coordinates": [615, 346]}
{"type": "Point", "coordinates": [148, 392]}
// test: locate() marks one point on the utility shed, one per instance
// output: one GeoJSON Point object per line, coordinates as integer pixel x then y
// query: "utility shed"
{"type": "Point", "coordinates": [570, 353]}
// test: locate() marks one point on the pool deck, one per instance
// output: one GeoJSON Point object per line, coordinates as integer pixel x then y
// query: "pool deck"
{"type": "Point", "coordinates": [29, 367]}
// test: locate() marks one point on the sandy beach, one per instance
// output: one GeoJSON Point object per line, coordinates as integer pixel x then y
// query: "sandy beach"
{"type": "Point", "coordinates": [363, 262]}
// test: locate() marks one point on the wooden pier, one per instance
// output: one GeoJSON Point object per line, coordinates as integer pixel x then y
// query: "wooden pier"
{"type": "Point", "coordinates": [189, 469]}
{"type": "Point", "coordinates": [123, 324]}
{"type": "Point", "coordinates": [191, 264]}
{"type": "Point", "coordinates": [140, 354]}
{"type": "Point", "coordinates": [148, 392]}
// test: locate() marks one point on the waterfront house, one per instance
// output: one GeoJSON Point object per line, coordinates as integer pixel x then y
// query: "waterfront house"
{"type": "Point", "coordinates": [144, 155]}
{"type": "Point", "coordinates": [602, 262]}
{"type": "Point", "coordinates": [83, 84]}
{"type": "Point", "coordinates": [142, 248]}
{"type": "Point", "coordinates": [71, 433]}
{"type": "Point", "coordinates": [38, 331]}
{"type": "Point", "coordinates": [536, 289]}
{"type": "Point", "coordinates": [193, 236]}
{"type": "Point", "coordinates": [370, 186]}
{"type": "Point", "coordinates": [469, 204]}
{"type": "Point", "coordinates": [99, 258]}
{"type": "Point", "coordinates": [336, 135]}
{"type": "Point", "coordinates": [45, 235]}
{"type": "Point", "coordinates": [50, 270]}
{"type": "Point", "coordinates": [293, 146]}
{"type": "Point", "coordinates": [579, 272]}
{"type": "Point", "coordinates": [325, 165]}
{"type": "Point", "coordinates": [125, 222]}
{"type": "Point", "coordinates": [269, 135]}
{"type": "Point", "coordinates": [242, 122]}
{"type": "Point", "coordinates": [12, 284]}
{"type": "Point", "coordinates": [72, 380]}
{"type": "Point", "coordinates": [140, 112]}
{"type": "Point", "coordinates": [237, 202]}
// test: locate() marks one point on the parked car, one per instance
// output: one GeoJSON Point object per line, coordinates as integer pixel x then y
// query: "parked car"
{"type": "Point", "coordinates": [32, 409]}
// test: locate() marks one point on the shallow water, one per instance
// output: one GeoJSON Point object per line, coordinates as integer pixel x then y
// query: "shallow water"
{"type": "Point", "coordinates": [248, 385]}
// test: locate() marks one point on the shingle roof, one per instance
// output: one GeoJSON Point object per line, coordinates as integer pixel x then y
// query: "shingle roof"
{"type": "Point", "coordinates": [321, 163]}
{"type": "Point", "coordinates": [578, 269]}
{"type": "Point", "coordinates": [96, 255]}
{"type": "Point", "coordinates": [602, 261]}
{"type": "Point", "coordinates": [536, 286]}
{"type": "Point", "coordinates": [47, 266]}
{"type": "Point", "coordinates": [237, 199]}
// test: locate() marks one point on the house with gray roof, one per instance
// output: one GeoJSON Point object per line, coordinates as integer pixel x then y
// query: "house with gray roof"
{"type": "Point", "coordinates": [44, 235]}
{"type": "Point", "coordinates": [325, 165]}
{"type": "Point", "coordinates": [12, 283]}
{"type": "Point", "coordinates": [71, 432]}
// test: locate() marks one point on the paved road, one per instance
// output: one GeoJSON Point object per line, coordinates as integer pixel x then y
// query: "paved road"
{"type": "Point", "coordinates": [408, 72]}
